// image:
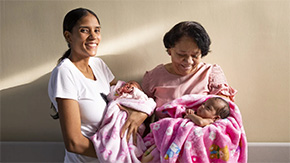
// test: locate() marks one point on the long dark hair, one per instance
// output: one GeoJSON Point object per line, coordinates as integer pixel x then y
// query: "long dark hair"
{"type": "Point", "coordinates": [70, 20]}
{"type": "Point", "coordinates": [191, 29]}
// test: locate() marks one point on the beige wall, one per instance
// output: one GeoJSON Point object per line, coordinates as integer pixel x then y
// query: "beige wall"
{"type": "Point", "coordinates": [250, 41]}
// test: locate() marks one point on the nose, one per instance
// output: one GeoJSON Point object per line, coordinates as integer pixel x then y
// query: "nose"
{"type": "Point", "coordinates": [189, 60]}
{"type": "Point", "coordinates": [94, 35]}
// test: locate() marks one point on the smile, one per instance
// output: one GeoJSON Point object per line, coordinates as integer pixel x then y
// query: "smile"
{"type": "Point", "coordinates": [92, 45]}
{"type": "Point", "coordinates": [187, 67]}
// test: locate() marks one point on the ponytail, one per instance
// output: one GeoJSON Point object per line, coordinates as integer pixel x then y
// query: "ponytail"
{"type": "Point", "coordinates": [65, 55]}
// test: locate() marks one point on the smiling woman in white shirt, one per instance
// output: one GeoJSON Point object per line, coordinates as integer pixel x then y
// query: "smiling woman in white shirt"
{"type": "Point", "coordinates": [76, 86]}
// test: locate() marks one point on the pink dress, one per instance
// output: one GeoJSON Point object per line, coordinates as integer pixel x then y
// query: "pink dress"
{"type": "Point", "coordinates": [163, 86]}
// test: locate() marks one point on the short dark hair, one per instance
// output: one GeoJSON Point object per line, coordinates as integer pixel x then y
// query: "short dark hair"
{"type": "Point", "coordinates": [223, 112]}
{"type": "Point", "coordinates": [191, 29]}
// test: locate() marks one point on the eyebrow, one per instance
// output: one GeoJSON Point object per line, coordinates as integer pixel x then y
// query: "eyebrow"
{"type": "Point", "coordinates": [89, 27]}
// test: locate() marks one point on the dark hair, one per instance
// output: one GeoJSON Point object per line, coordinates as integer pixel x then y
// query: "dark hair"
{"type": "Point", "coordinates": [191, 29]}
{"type": "Point", "coordinates": [223, 112]}
{"type": "Point", "coordinates": [70, 20]}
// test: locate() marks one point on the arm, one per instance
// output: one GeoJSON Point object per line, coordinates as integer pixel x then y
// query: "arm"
{"type": "Point", "coordinates": [226, 97]}
{"type": "Point", "coordinates": [218, 84]}
{"type": "Point", "coordinates": [113, 82]}
{"type": "Point", "coordinates": [70, 122]}
{"type": "Point", "coordinates": [197, 119]}
{"type": "Point", "coordinates": [135, 119]}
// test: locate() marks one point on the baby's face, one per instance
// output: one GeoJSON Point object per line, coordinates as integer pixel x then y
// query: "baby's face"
{"type": "Point", "coordinates": [127, 88]}
{"type": "Point", "coordinates": [209, 108]}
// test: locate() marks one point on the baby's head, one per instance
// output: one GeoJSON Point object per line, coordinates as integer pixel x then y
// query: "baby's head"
{"type": "Point", "coordinates": [128, 87]}
{"type": "Point", "coordinates": [215, 107]}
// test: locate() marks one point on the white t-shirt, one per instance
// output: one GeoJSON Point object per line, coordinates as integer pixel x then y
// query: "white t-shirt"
{"type": "Point", "coordinates": [68, 82]}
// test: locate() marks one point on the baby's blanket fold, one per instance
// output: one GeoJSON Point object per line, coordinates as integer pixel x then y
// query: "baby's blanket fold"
{"type": "Point", "coordinates": [107, 142]}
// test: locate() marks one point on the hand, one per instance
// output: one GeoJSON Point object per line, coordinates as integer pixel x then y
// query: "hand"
{"type": "Point", "coordinates": [189, 111]}
{"type": "Point", "coordinates": [147, 156]}
{"type": "Point", "coordinates": [135, 119]}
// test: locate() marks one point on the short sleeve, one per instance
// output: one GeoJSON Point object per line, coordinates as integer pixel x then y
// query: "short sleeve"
{"type": "Point", "coordinates": [218, 84]}
{"type": "Point", "coordinates": [61, 85]}
{"type": "Point", "coordinates": [147, 88]}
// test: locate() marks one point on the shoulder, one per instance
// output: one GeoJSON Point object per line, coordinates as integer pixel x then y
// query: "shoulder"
{"type": "Point", "coordinates": [212, 67]}
{"type": "Point", "coordinates": [97, 61]}
{"type": "Point", "coordinates": [151, 78]}
{"type": "Point", "coordinates": [216, 69]}
{"type": "Point", "coordinates": [155, 74]}
{"type": "Point", "coordinates": [64, 67]}
{"type": "Point", "coordinates": [160, 69]}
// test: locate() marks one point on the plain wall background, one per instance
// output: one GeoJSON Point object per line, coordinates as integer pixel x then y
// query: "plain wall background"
{"type": "Point", "coordinates": [250, 41]}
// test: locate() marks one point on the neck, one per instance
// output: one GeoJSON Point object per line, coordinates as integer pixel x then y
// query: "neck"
{"type": "Point", "coordinates": [81, 63]}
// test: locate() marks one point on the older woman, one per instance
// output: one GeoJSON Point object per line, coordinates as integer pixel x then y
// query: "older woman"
{"type": "Point", "coordinates": [186, 43]}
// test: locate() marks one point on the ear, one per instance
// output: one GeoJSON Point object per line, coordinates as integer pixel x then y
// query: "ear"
{"type": "Point", "coordinates": [67, 36]}
{"type": "Point", "coordinates": [168, 51]}
{"type": "Point", "coordinates": [217, 117]}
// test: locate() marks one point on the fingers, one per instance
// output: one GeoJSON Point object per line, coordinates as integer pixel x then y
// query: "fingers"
{"type": "Point", "coordinates": [135, 119]}
{"type": "Point", "coordinates": [132, 131]}
{"type": "Point", "coordinates": [147, 156]}
{"type": "Point", "coordinates": [124, 128]}
{"type": "Point", "coordinates": [149, 150]}
{"type": "Point", "coordinates": [135, 137]}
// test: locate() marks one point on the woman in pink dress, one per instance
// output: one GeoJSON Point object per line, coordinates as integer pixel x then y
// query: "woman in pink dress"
{"type": "Point", "coordinates": [186, 43]}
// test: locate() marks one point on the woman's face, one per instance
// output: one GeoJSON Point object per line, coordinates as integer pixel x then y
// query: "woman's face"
{"type": "Point", "coordinates": [185, 56]}
{"type": "Point", "coordinates": [85, 37]}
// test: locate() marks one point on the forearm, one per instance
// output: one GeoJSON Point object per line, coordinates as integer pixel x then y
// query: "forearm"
{"type": "Point", "coordinates": [198, 120]}
{"type": "Point", "coordinates": [81, 145]}
{"type": "Point", "coordinates": [70, 122]}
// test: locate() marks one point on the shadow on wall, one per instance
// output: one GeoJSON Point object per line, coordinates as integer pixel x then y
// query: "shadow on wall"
{"type": "Point", "coordinates": [25, 113]}
{"type": "Point", "coordinates": [25, 109]}
{"type": "Point", "coordinates": [126, 67]}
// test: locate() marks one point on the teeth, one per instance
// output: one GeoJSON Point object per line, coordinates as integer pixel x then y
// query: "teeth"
{"type": "Point", "coordinates": [187, 68]}
{"type": "Point", "coordinates": [92, 45]}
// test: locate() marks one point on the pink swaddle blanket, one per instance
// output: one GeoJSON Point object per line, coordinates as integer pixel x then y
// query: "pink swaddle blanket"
{"type": "Point", "coordinates": [107, 142]}
{"type": "Point", "coordinates": [180, 140]}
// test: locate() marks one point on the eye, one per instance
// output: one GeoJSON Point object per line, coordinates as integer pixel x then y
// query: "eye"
{"type": "Point", "coordinates": [180, 55]}
{"type": "Point", "coordinates": [195, 56]}
{"type": "Point", "coordinates": [97, 30]}
{"type": "Point", "coordinates": [84, 30]}
{"type": "Point", "coordinates": [207, 107]}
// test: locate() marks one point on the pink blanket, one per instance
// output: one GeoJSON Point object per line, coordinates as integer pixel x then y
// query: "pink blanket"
{"type": "Point", "coordinates": [107, 142]}
{"type": "Point", "coordinates": [180, 140]}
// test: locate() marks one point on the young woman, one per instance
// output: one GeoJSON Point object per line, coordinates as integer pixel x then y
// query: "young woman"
{"type": "Point", "coordinates": [76, 85]}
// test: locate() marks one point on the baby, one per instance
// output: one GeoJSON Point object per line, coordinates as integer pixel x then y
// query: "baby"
{"type": "Point", "coordinates": [210, 111]}
{"type": "Point", "coordinates": [130, 89]}
{"type": "Point", "coordinates": [107, 142]}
